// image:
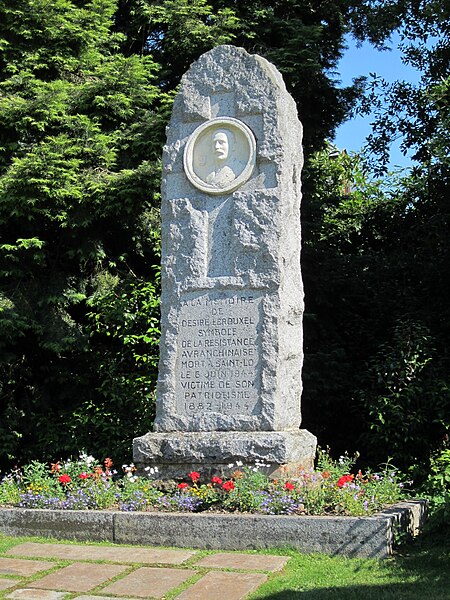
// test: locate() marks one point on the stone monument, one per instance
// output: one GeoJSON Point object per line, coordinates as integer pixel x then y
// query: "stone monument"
{"type": "Point", "coordinates": [231, 356]}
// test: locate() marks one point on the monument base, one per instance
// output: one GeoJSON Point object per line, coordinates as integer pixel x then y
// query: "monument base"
{"type": "Point", "coordinates": [285, 453]}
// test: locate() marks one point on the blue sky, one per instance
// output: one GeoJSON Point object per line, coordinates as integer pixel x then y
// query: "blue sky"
{"type": "Point", "coordinates": [362, 61]}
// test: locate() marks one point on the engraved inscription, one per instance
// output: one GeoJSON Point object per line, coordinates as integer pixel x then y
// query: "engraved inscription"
{"type": "Point", "coordinates": [217, 367]}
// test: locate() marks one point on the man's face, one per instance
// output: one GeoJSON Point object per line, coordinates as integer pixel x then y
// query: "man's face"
{"type": "Point", "coordinates": [220, 145]}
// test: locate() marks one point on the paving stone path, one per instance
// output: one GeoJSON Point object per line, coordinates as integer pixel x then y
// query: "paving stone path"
{"type": "Point", "coordinates": [33, 571]}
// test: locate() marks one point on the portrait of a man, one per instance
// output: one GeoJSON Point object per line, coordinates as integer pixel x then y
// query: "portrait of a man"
{"type": "Point", "coordinates": [219, 155]}
{"type": "Point", "coordinates": [225, 166]}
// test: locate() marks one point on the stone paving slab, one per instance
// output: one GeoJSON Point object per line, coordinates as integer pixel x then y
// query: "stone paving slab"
{"type": "Point", "coordinates": [149, 582]}
{"type": "Point", "coordinates": [24, 568]}
{"type": "Point", "coordinates": [108, 553]}
{"type": "Point", "coordinates": [27, 594]}
{"type": "Point", "coordinates": [7, 583]}
{"type": "Point", "coordinates": [144, 582]}
{"type": "Point", "coordinates": [223, 586]}
{"type": "Point", "coordinates": [78, 577]}
{"type": "Point", "coordinates": [93, 597]}
{"type": "Point", "coordinates": [243, 562]}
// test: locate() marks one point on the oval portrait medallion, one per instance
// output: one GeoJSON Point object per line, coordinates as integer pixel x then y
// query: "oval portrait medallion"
{"type": "Point", "coordinates": [220, 155]}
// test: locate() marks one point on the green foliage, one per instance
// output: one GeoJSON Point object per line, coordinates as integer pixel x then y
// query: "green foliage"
{"type": "Point", "coordinates": [416, 113]}
{"type": "Point", "coordinates": [343, 270]}
{"type": "Point", "coordinates": [81, 127]}
{"type": "Point", "coordinates": [124, 331]}
{"type": "Point", "coordinates": [375, 262]}
{"type": "Point", "coordinates": [437, 489]}
{"type": "Point", "coordinates": [406, 398]}
{"type": "Point", "coordinates": [246, 496]}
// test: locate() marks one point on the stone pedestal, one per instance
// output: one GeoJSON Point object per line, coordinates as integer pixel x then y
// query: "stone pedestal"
{"type": "Point", "coordinates": [231, 355]}
{"type": "Point", "coordinates": [210, 453]}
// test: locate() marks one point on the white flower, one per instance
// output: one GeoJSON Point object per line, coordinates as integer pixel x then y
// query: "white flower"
{"type": "Point", "coordinates": [231, 465]}
{"type": "Point", "coordinates": [239, 463]}
{"type": "Point", "coordinates": [156, 469]}
{"type": "Point", "coordinates": [89, 460]}
{"type": "Point", "coordinates": [148, 469]}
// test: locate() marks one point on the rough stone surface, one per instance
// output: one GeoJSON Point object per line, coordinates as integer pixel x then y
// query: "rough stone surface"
{"type": "Point", "coordinates": [28, 594]}
{"type": "Point", "coordinates": [149, 582]}
{"type": "Point", "coordinates": [351, 536]}
{"type": "Point", "coordinates": [93, 597]}
{"type": "Point", "coordinates": [183, 452]}
{"type": "Point", "coordinates": [232, 295]}
{"type": "Point", "coordinates": [223, 586]}
{"type": "Point", "coordinates": [243, 562]}
{"type": "Point", "coordinates": [409, 516]}
{"type": "Point", "coordinates": [7, 583]}
{"type": "Point", "coordinates": [108, 553]}
{"type": "Point", "coordinates": [24, 568]}
{"type": "Point", "coordinates": [78, 577]}
{"type": "Point", "coordinates": [75, 525]}
{"type": "Point", "coordinates": [231, 264]}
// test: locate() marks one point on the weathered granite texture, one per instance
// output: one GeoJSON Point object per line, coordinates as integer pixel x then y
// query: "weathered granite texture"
{"type": "Point", "coordinates": [351, 536]}
{"type": "Point", "coordinates": [232, 296]}
{"type": "Point", "coordinates": [285, 452]}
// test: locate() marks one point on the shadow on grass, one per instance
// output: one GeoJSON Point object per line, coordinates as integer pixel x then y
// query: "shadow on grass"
{"type": "Point", "coordinates": [421, 572]}
{"type": "Point", "coordinates": [395, 591]}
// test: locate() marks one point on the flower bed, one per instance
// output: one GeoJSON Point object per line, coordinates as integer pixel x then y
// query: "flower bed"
{"type": "Point", "coordinates": [330, 489]}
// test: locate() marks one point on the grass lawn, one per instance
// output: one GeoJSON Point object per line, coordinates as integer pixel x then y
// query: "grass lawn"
{"type": "Point", "coordinates": [420, 571]}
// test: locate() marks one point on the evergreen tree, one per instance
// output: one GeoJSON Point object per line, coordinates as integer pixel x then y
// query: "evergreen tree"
{"type": "Point", "coordinates": [81, 128]}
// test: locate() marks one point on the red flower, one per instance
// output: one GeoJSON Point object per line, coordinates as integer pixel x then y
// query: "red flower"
{"type": "Point", "coordinates": [289, 486]}
{"type": "Point", "coordinates": [228, 486]}
{"type": "Point", "coordinates": [64, 478]}
{"type": "Point", "coordinates": [83, 475]}
{"type": "Point", "coordinates": [342, 481]}
{"type": "Point", "coordinates": [108, 463]}
{"type": "Point", "coordinates": [216, 479]}
{"type": "Point", "coordinates": [194, 476]}
{"type": "Point", "coordinates": [326, 474]}
{"type": "Point", "coordinates": [182, 486]}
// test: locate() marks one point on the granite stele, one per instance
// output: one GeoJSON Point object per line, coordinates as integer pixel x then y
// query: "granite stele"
{"type": "Point", "coordinates": [230, 384]}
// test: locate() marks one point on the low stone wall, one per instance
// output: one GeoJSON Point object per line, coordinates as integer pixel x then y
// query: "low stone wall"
{"type": "Point", "coordinates": [371, 536]}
